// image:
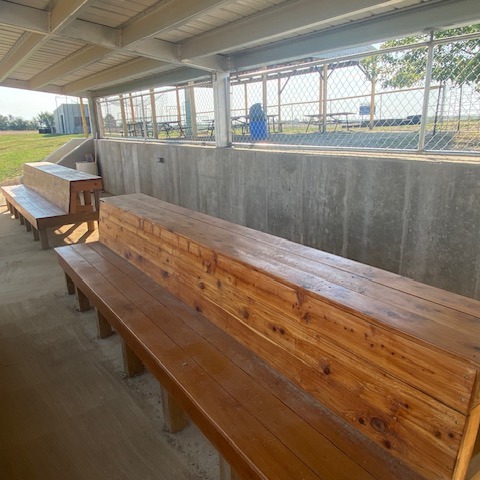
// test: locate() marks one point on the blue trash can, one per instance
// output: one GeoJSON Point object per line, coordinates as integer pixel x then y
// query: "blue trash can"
{"type": "Point", "coordinates": [258, 123]}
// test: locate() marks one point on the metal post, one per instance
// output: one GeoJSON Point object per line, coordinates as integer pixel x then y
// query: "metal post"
{"type": "Point", "coordinates": [124, 116]}
{"type": "Point", "coordinates": [320, 99]}
{"type": "Point", "coordinates": [154, 113]}
{"type": "Point", "coordinates": [221, 102]}
{"type": "Point", "coordinates": [245, 91]}
{"type": "Point", "coordinates": [144, 120]}
{"type": "Point", "coordinates": [279, 107]}
{"type": "Point", "coordinates": [192, 114]}
{"type": "Point", "coordinates": [179, 109]}
{"type": "Point", "coordinates": [372, 102]}
{"type": "Point", "coordinates": [84, 120]}
{"type": "Point", "coordinates": [264, 92]}
{"type": "Point", "coordinates": [94, 117]}
{"type": "Point", "coordinates": [324, 98]}
{"type": "Point", "coordinates": [426, 95]}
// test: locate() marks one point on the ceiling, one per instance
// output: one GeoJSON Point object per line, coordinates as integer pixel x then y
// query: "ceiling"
{"type": "Point", "coordinates": [104, 47]}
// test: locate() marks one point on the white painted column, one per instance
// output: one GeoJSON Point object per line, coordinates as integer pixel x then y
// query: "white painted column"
{"type": "Point", "coordinates": [426, 96]}
{"type": "Point", "coordinates": [221, 101]}
{"type": "Point", "coordinates": [94, 124]}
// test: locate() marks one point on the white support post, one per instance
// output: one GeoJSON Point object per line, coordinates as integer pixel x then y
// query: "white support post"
{"type": "Point", "coordinates": [221, 101]}
{"type": "Point", "coordinates": [426, 95]}
{"type": "Point", "coordinates": [94, 124]}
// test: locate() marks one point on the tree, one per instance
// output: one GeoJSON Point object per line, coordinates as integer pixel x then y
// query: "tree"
{"type": "Point", "coordinates": [45, 119]}
{"type": "Point", "coordinates": [109, 121]}
{"type": "Point", "coordinates": [455, 62]}
{"type": "Point", "coordinates": [370, 67]}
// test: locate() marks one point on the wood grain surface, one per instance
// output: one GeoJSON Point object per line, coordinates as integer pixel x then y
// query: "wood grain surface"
{"type": "Point", "coordinates": [395, 359]}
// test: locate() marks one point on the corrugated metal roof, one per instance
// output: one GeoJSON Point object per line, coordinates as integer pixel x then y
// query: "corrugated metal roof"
{"type": "Point", "coordinates": [63, 47]}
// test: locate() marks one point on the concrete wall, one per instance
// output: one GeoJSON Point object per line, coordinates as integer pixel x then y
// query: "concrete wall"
{"type": "Point", "coordinates": [412, 216]}
{"type": "Point", "coordinates": [71, 152]}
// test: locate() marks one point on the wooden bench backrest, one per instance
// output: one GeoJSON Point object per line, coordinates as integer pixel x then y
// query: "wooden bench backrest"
{"type": "Point", "coordinates": [396, 359]}
{"type": "Point", "coordinates": [59, 185]}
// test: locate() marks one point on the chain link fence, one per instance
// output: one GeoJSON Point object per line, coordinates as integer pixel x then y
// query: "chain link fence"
{"type": "Point", "coordinates": [172, 113]}
{"type": "Point", "coordinates": [415, 93]}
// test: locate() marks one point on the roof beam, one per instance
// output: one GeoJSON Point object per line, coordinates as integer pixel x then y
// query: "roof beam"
{"type": "Point", "coordinates": [171, 77]}
{"type": "Point", "coordinates": [126, 70]}
{"type": "Point", "coordinates": [403, 22]}
{"type": "Point", "coordinates": [153, 48]}
{"type": "Point", "coordinates": [106, 39]}
{"type": "Point", "coordinates": [293, 17]}
{"type": "Point", "coordinates": [29, 43]}
{"type": "Point", "coordinates": [27, 18]}
{"type": "Point", "coordinates": [168, 16]}
{"type": "Point", "coordinates": [64, 13]}
{"type": "Point", "coordinates": [25, 85]}
{"type": "Point", "coordinates": [19, 53]}
{"type": "Point", "coordinates": [79, 59]}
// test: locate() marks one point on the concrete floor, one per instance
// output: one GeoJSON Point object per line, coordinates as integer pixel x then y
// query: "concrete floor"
{"type": "Point", "coordinates": [66, 411]}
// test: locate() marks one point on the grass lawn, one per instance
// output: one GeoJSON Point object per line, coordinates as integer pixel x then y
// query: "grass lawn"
{"type": "Point", "coordinates": [18, 148]}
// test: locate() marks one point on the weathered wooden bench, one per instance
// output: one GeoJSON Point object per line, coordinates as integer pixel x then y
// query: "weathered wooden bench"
{"type": "Point", "coordinates": [295, 363]}
{"type": "Point", "coordinates": [51, 196]}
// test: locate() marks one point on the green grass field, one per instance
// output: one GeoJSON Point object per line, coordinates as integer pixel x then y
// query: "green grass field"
{"type": "Point", "coordinates": [18, 148]}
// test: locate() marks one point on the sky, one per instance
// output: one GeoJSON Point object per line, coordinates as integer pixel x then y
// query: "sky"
{"type": "Point", "coordinates": [28, 104]}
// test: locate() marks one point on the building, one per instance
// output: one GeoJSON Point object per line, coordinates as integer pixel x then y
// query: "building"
{"type": "Point", "coordinates": [68, 118]}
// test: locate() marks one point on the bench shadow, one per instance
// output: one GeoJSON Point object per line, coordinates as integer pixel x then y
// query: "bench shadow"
{"type": "Point", "coordinates": [69, 234]}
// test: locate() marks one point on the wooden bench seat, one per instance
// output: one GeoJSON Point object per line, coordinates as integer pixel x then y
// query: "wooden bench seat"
{"type": "Point", "coordinates": [393, 362]}
{"type": "Point", "coordinates": [260, 422]}
{"type": "Point", "coordinates": [52, 196]}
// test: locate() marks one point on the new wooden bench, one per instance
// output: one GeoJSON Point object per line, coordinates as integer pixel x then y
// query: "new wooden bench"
{"type": "Point", "coordinates": [51, 196]}
{"type": "Point", "coordinates": [295, 363]}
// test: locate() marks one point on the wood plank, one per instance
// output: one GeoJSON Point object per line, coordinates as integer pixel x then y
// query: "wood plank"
{"type": "Point", "coordinates": [468, 443]}
{"type": "Point", "coordinates": [427, 309]}
{"type": "Point", "coordinates": [173, 415]}
{"type": "Point", "coordinates": [44, 240]}
{"type": "Point", "coordinates": [131, 363]}
{"type": "Point", "coordinates": [167, 269]}
{"type": "Point", "coordinates": [424, 330]}
{"type": "Point", "coordinates": [306, 305]}
{"type": "Point", "coordinates": [70, 285]}
{"type": "Point", "coordinates": [57, 183]}
{"type": "Point", "coordinates": [203, 399]}
{"type": "Point", "coordinates": [104, 329]}
{"type": "Point", "coordinates": [353, 444]}
{"type": "Point", "coordinates": [83, 303]}
{"type": "Point", "coordinates": [366, 272]}
{"type": "Point", "coordinates": [164, 252]}
{"type": "Point", "coordinates": [54, 188]}
{"type": "Point", "coordinates": [41, 213]}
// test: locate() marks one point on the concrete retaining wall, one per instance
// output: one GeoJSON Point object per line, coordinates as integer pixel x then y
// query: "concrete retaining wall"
{"type": "Point", "coordinates": [416, 217]}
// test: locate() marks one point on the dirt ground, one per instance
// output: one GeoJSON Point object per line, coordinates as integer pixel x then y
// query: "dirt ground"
{"type": "Point", "coordinates": [66, 410]}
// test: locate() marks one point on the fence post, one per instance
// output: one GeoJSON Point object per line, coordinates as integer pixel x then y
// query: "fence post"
{"type": "Point", "coordinates": [426, 95]}
{"type": "Point", "coordinates": [221, 103]}
{"type": "Point", "coordinates": [96, 120]}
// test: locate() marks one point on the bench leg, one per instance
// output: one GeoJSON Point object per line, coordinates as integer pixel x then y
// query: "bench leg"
{"type": "Point", "coordinates": [36, 236]}
{"type": "Point", "coordinates": [91, 226]}
{"type": "Point", "coordinates": [28, 225]}
{"type": "Point", "coordinates": [83, 303]}
{"type": "Point", "coordinates": [43, 239]}
{"type": "Point", "coordinates": [15, 213]}
{"type": "Point", "coordinates": [103, 327]}
{"type": "Point", "coordinates": [227, 472]}
{"type": "Point", "coordinates": [70, 285]}
{"type": "Point", "coordinates": [131, 363]}
{"type": "Point", "coordinates": [172, 413]}
{"type": "Point", "coordinates": [10, 207]}
{"type": "Point", "coordinates": [21, 218]}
